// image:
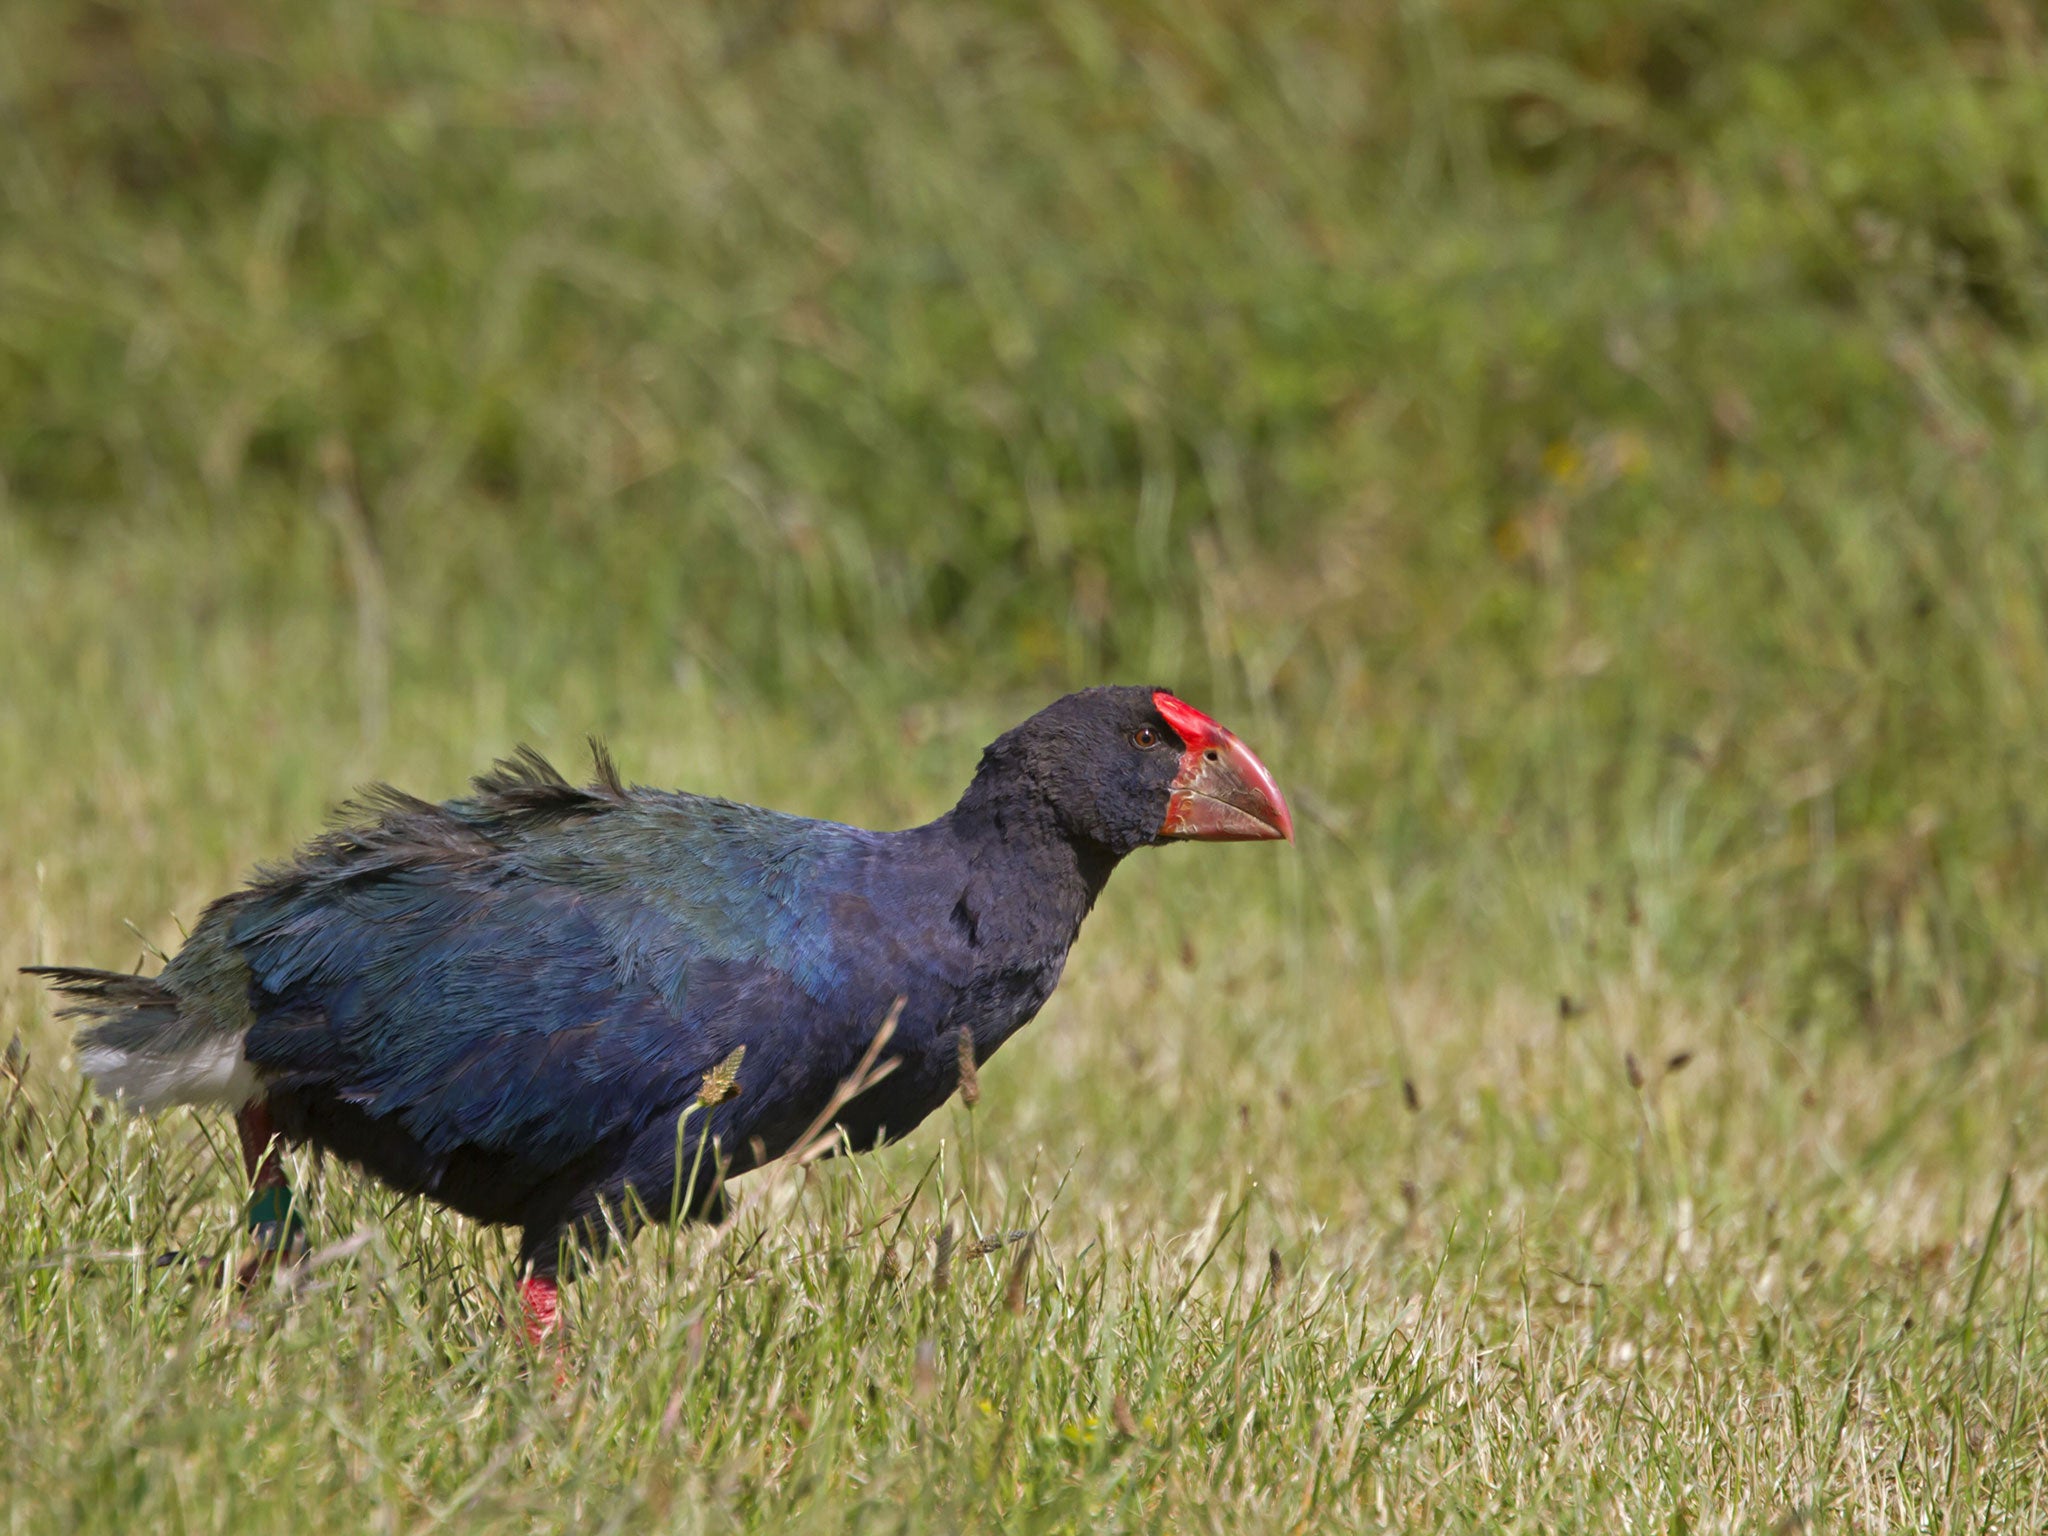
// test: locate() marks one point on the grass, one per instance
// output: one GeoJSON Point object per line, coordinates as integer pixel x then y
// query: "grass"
{"type": "Point", "coordinates": [1772, 1282]}
{"type": "Point", "coordinates": [1595, 452]}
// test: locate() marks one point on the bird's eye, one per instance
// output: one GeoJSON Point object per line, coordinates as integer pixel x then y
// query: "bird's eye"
{"type": "Point", "coordinates": [1144, 736]}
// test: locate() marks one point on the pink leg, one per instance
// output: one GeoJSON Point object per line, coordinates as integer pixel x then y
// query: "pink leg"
{"type": "Point", "coordinates": [541, 1302]}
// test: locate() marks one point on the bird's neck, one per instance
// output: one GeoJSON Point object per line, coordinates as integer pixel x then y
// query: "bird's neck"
{"type": "Point", "coordinates": [1031, 882]}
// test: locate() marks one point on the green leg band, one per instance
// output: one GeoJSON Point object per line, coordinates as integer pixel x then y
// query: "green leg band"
{"type": "Point", "coordinates": [274, 1219]}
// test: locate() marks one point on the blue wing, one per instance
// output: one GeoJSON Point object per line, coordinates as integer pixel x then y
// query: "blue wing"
{"type": "Point", "coordinates": [538, 968]}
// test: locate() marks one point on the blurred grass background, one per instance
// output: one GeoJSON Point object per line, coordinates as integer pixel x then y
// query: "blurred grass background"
{"type": "Point", "coordinates": [1607, 435]}
{"type": "Point", "coordinates": [1594, 450]}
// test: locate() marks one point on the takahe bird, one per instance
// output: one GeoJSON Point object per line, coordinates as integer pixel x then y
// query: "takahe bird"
{"type": "Point", "coordinates": [508, 1002]}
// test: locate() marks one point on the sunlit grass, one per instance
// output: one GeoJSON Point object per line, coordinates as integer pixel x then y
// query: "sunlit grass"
{"type": "Point", "coordinates": [1575, 1273]}
{"type": "Point", "coordinates": [1593, 451]}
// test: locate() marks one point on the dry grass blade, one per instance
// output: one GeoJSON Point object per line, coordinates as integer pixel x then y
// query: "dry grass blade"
{"type": "Point", "coordinates": [822, 1135]}
{"type": "Point", "coordinates": [297, 1276]}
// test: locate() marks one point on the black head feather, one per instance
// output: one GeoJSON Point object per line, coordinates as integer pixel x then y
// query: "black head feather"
{"type": "Point", "coordinates": [1096, 766]}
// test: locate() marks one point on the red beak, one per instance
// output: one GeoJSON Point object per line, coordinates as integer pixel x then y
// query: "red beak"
{"type": "Point", "coordinates": [1223, 793]}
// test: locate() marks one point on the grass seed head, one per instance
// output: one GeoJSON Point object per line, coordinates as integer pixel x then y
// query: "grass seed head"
{"type": "Point", "coordinates": [1121, 1416]}
{"type": "Point", "coordinates": [970, 1079]}
{"type": "Point", "coordinates": [1020, 1269]}
{"type": "Point", "coordinates": [722, 1082]}
{"type": "Point", "coordinates": [981, 1247]}
{"type": "Point", "coordinates": [942, 1259]}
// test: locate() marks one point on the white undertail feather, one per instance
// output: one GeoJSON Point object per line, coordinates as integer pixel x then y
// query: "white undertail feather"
{"type": "Point", "coordinates": [212, 1071]}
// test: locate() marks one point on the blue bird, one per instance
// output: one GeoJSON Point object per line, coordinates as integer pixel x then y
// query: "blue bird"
{"type": "Point", "coordinates": [574, 1008]}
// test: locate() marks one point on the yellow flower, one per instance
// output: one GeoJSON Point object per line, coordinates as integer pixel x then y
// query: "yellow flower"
{"type": "Point", "coordinates": [1563, 462]}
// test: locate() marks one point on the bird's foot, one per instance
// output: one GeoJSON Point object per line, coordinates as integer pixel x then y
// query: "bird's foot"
{"type": "Point", "coordinates": [540, 1306]}
{"type": "Point", "coordinates": [540, 1309]}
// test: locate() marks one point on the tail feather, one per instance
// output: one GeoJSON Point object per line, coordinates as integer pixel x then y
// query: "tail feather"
{"type": "Point", "coordinates": [136, 1044]}
{"type": "Point", "coordinates": [101, 994]}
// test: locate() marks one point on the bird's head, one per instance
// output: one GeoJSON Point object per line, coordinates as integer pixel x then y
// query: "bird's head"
{"type": "Point", "coordinates": [1128, 767]}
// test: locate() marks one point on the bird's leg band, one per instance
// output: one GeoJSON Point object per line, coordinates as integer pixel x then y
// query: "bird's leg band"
{"type": "Point", "coordinates": [274, 1219]}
